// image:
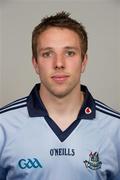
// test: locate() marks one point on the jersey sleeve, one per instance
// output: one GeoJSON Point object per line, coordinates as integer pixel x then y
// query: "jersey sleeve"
{"type": "Point", "coordinates": [2, 142]}
{"type": "Point", "coordinates": [118, 152]}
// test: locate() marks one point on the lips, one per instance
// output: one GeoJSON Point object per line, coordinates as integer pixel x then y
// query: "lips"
{"type": "Point", "coordinates": [60, 78]}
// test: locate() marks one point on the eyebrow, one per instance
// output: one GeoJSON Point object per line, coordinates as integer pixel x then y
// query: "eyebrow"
{"type": "Point", "coordinates": [66, 47]}
{"type": "Point", "coordinates": [72, 47]}
{"type": "Point", "coordinates": [46, 48]}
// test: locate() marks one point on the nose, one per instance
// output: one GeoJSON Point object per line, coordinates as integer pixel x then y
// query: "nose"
{"type": "Point", "coordinates": [59, 62]}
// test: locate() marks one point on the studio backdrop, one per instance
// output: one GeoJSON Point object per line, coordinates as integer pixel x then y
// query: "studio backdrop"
{"type": "Point", "coordinates": [102, 21]}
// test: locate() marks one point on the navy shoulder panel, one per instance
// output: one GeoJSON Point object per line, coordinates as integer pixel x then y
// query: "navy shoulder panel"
{"type": "Point", "coordinates": [106, 109]}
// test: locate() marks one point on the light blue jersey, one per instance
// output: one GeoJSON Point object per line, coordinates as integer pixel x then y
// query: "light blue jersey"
{"type": "Point", "coordinates": [33, 147]}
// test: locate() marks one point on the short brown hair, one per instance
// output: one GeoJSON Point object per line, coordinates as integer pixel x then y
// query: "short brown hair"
{"type": "Point", "coordinates": [61, 20]}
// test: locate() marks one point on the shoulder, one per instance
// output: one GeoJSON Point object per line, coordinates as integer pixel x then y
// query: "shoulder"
{"type": "Point", "coordinates": [108, 121]}
{"type": "Point", "coordinates": [15, 105]}
{"type": "Point", "coordinates": [14, 114]}
{"type": "Point", "coordinates": [13, 118]}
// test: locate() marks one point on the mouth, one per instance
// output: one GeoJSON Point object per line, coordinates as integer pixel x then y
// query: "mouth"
{"type": "Point", "coordinates": [60, 78]}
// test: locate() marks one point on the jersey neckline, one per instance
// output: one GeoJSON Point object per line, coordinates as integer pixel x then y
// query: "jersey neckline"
{"type": "Point", "coordinates": [36, 108]}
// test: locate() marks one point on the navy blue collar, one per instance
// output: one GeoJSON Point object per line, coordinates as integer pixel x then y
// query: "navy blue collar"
{"type": "Point", "coordinates": [36, 107]}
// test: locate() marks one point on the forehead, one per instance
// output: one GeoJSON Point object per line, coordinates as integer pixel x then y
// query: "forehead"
{"type": "Point", "coordinates": [55, 36]}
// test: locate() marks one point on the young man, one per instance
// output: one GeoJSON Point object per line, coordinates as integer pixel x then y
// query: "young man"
{"type": "Point", "coordinates": [59, 132]}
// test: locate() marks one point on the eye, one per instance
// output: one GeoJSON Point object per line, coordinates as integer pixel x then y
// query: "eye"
{"type": "Point", "coordinates": [47, 54]}
{"type": "Point", "coordinates": [70, 53]}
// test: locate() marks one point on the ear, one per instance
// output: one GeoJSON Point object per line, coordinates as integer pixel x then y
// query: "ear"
{"type": "Point", "coordinates": [35, 65]}
{"type": "Point", "coordinates": [84, 63]}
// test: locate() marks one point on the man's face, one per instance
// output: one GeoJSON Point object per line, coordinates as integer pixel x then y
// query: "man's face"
{"type": "Point", "coordinates": [59, 64]}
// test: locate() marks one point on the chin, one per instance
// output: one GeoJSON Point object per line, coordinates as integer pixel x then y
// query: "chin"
{"type": "Point", "coordinates": [60, 93]}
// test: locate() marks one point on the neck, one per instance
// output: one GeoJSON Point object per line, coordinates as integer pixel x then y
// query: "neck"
{"type": "Point", "coordinates": [65, 106]}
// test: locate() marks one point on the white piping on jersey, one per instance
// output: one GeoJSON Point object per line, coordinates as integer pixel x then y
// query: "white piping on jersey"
{"type": "Point", "coordinates": [106, 109]}
{"type": "Point", "coordinates": [15, 102]}
{"type": "Point", "coordinates": [13, 105]}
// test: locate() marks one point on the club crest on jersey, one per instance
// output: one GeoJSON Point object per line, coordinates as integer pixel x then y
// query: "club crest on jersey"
{"type": "Point", "coordinates": [94, 163]}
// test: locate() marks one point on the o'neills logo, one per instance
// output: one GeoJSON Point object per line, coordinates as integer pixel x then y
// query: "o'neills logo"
{"type": "Point", "coordinates": [62, 152]}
